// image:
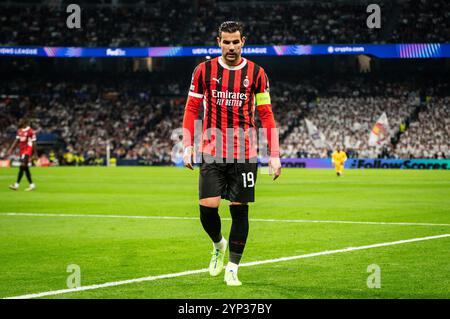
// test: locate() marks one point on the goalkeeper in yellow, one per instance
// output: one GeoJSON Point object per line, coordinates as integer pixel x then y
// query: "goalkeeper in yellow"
{"type": "Point", "coordinates": [338, 158]}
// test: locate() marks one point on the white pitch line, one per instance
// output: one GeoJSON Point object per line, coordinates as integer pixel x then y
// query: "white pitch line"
{"type": "Point", "coordinates": [97, 216]}
{"type": "Point", "coordinates": [347, 222]}
{"type": "Point", "coordinates": [191, 272]}
{"type": "Point", "coordinates": [251, 219]}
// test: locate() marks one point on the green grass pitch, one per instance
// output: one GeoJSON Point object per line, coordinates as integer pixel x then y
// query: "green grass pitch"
{"type": "Point", "coordinates": [35, 250]}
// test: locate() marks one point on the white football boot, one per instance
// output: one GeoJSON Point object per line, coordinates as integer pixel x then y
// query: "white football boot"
{"type": "Point", "coordinates": [216, 263]}
{"type": "Point", "coordinates": [30, 188]}
{"type": "Point", "coordinates": [231, 275]}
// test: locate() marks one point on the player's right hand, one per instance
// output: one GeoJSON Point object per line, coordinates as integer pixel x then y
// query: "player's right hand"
{"type": "Point", "coordinates": [188, 156]}
{"type": "Point", "coordinates": [275, 167]}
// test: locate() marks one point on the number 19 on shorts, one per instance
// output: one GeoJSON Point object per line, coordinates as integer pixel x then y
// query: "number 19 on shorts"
{"type": "Point", "coordinates": [248, 179]}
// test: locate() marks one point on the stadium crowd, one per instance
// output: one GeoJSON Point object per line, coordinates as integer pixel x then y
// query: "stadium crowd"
{"type": "Point", "coordinates": [87, 116]}
{"type": "Point", "coordinates": [288, 23]}
{"type": "Point", "coordinates": [347, 122]}
{"type": "Point", "coordinates": [422, 21]}
{"type": "Point", "coordinates": [429, 136]}
{"type": "Point", "coordinates": [346, 111]}
{"type": "Point", "coordinates": [189, 22]}
{"type": "Point", "coordinates": [136, 114]}
{"type": "Point", "coordinates": [138, 121]}
{"type": "Point", "coordinates": [156, 23]}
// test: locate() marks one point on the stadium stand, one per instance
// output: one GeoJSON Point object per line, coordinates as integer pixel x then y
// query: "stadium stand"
{"type": "Point", "coordinates": [139, 121]}
{"type": "Point", "coordinates": [429, 136]}
{"type": "Point", "coordinates": [137, 112]}
{"type": "Point", "coordinates": [184, 22]}
{"type": "Point", "coordinates": [87, 114]}
{"type": "Point", "coordinates": [157, 23]}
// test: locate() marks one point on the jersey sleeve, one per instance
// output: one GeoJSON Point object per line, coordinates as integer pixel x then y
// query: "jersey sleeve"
{"type": "Point", "coordinates": [31, 135]}
{"type": "Point", "coordinates": [262, 94]}
{"type": "Point", "coordinates": [192, 108]}
{"type": "Point", "coordinates": [197, 87]}
{"type": "Point", "coordinates": [264, 106]}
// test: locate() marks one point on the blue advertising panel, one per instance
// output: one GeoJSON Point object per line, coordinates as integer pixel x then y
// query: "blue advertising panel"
{"type": "Point", "coordinates": [367, 163]}
{"type": "Point", "coordinates": [402, 51]}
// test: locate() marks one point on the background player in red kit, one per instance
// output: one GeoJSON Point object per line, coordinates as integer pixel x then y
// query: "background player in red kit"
{"type": "Point", "coordinates": [229, 86]}
{"type": "Point", "coordinates": [27, 148]}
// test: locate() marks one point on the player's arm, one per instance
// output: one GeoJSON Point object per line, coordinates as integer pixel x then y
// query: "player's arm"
{"type": "Point", "coordinates": [264, 107]}
{"type": "Point", "coordinates": [342, 158]}
{"type": "Point", "coordinates": [191, 110]}
{"type": "Point", "coordinates": [35, 154]}
{"type": "Point", "coordinates": [13, 146]}
{"type": "Point", "coordinates": [34, 144]}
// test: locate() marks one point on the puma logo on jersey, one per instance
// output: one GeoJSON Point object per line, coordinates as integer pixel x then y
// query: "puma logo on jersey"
{"type": "Point", "coordinates": [217, 80]}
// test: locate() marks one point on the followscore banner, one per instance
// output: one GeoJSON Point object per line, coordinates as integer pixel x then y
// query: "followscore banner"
{"type": "Point", "coordinates": [414, 50]}
{"type": "Point", "coordinates": [435, 164]}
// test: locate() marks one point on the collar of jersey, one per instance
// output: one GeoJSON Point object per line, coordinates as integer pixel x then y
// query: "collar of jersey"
{"type": "Point", "coordinates": [26, 128]}
{"type": "Point", "coordinates": [233, 68]}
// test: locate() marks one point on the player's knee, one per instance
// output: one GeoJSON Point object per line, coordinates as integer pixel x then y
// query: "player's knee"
{"type": "Point", "coordinates": [210, 202]}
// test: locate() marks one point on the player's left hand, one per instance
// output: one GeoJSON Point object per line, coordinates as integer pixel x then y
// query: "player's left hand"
{"type": "Point", "coordinates": [275, 167]}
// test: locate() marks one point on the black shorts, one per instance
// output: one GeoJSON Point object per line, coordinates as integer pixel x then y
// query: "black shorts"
{"type": "Point", "coordinates": [232, 181]}
{"type": "Point", "coordinates": [24, 159]}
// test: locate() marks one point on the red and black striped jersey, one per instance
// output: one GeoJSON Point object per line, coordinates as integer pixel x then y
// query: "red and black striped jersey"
{"type": "Point", "coordinates": [230, 95]}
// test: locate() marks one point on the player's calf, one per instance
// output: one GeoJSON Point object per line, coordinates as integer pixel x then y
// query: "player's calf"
{"type": "Point", "coordinates": [210, 219]}
{"type": "Point", "coordinates": [237, 241]}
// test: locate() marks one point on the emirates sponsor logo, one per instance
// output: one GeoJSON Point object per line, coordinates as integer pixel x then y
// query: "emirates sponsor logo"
{"type": "Point", "coordinates": [228, 98]}
{"type": "Point", "coordinates": [229, 95]}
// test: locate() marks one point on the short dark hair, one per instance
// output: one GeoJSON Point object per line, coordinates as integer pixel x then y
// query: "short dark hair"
{"type": "Point", "coordinates": [231, 27]}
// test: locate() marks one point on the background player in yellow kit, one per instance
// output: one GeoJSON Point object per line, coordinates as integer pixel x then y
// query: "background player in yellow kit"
{"type": "Point", "coordinates": [338, 158]}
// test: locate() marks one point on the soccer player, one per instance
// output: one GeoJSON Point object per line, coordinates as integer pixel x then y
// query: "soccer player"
{"type": "Point", "coordinates": [338, 158]}
{"type": "Point", "coordinates": [27, 148]}
{"type": "Point", "coordinates": [229, 86]}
